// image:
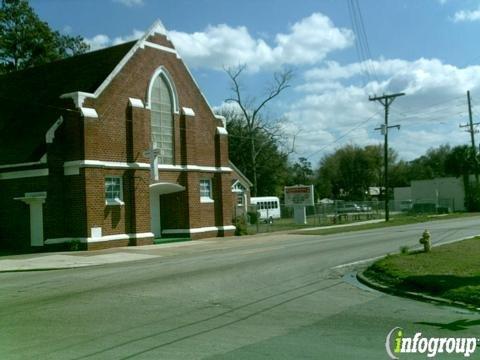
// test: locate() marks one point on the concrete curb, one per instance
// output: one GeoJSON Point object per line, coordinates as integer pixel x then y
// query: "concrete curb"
{"type": "Point", "coordinates": [41, 269]}
{"type": "Point", "coordinates": [412, 295]}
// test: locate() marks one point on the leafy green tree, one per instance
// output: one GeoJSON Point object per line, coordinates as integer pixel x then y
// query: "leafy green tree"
{"type": "Point", "coordinates": [302, 172]}
{"type": "Point", "coordinates": [431, 165]}
{"type": "Point", "coordinates": [26, 41]}
{"type": "Point", "coordinates": [349, 172]}
{"type": "Point", "coordinates": [462, 161]}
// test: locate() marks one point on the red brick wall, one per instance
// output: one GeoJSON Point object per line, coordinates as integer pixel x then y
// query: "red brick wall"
{"type": "Point", "coordinates": [123, 134]}
{"type": "Point", "coordinates": [76, 203]}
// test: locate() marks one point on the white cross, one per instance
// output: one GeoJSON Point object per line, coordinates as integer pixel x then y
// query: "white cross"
{"type": "Point", "coordinates": [152, 154]}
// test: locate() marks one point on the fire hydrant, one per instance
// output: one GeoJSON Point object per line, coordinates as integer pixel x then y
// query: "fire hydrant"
{"type": "Point", "coordinates": [425, 240]}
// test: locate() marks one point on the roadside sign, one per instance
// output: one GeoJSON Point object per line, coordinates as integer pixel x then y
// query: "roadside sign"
{"type": "Point", "coordinates": [299, 195]}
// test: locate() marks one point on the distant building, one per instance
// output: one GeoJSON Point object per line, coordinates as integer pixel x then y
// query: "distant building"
{"type": "Point", "coordinates": [446, 192]}
{"type": "Point", "coordinates": [111, 148]}
{"type": "Point", "coordinates": [241, 190]}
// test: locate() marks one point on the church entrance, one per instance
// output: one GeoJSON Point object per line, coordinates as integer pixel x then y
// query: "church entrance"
{"type": "Point", "coordinates": [157, 189]}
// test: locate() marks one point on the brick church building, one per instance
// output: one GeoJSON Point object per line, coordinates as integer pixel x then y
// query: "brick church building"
{"type": "Point", "coordinates": [111, 148]}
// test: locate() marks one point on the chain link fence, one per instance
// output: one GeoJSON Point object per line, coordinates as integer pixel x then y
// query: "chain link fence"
{"type": "Point", "coordinates": [256, 219]}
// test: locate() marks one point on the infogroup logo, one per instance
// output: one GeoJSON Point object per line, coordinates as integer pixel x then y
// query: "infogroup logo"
{"type": "Point", "coordinates": [397, 343]}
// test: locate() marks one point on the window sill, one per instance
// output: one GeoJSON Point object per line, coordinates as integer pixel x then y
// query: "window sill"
{"type": "Point", "coordinates": [207, 201]}
{"type": "Point", "coordinates": [116, 202]}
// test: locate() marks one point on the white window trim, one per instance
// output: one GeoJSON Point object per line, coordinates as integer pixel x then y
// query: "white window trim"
{"type": "Point", "coordinates": [243, 198]}
{"type": "Point", "coordinates": [207, 199]}
{"type": "Point", "coordinates": [114, 202]}
{"type": "Point", "coordinates": [117, 201]}
{"type": "Point", "coordinates": [163, 72]}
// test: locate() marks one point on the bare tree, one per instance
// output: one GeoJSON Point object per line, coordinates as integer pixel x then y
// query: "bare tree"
{"type": "Point", "coordinates": [251, 109]}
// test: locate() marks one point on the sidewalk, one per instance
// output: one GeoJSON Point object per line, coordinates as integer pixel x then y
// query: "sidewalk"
{"type": "Point", "coordinates": [77, 259]}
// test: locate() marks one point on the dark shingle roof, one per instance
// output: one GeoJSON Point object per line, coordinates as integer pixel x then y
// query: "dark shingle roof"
{"type": "Point", "coordinates": [30, 104]}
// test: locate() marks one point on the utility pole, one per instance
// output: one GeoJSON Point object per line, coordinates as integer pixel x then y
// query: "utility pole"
{"type": "Point", "coordinates": [472, 131]}
{"type": "Point", "coordinates": [386, 101]}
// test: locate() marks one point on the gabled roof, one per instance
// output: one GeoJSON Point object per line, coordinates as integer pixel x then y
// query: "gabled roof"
{"type": "Point", "coordinates": [30, 99]}
{"type": "Point", "coordinates": [240, 176]}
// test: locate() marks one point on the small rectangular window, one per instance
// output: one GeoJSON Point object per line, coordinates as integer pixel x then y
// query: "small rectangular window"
{"type": "Point", "coordinates": [113, 190]}
{"type": "Point", "coordinates": [206, 190]}
{"type": "Point", "coordinates": [239, 199]}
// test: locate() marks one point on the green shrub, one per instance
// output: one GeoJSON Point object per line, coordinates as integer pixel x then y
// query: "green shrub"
{"type": "Point", "coordinates": [252, 217]}
{"type": "Point", "coordinates": [240, 225]}
{"type": "Point", "coordinates": [404, 249]}
{"type": "Point", "coordinates": [75, 245]}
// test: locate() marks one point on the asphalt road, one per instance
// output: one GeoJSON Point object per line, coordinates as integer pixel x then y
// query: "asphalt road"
{"type": "Point", "coordinates": [269, 297]}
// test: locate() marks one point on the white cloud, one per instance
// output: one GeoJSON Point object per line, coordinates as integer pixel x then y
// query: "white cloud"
{"type": "Point", "coordinates": [101, 40]}
{"type": "Point", "coordinates": [335, 102]}
{"type": "Point", "coordinates": [331, 100]}
{"type": "Point", "coordinates": [98, 42]}
{"type": "Point", "coordinates": [136, 34]}
{"type": "Point", "coordinates": [309, 41]}
{"type": "Point", "coordinates": [130, 3]}
{"type": "Point", "coordinates": [467, 15]}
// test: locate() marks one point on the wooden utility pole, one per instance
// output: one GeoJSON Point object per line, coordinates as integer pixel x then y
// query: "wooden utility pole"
{"type": "Point", "coordinates": [386, 101]}
{"type": "Point", "coordinates": [472, 131]}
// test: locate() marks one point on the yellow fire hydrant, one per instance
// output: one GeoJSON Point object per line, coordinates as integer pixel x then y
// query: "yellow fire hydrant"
{"type": "Point", "coordinates": [425, 240]}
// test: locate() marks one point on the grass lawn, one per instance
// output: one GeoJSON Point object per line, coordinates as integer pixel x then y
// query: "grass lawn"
{"type": "Point", "coordinates": [449, 271]}
{"type": "Point", "coordinates": [400, 219]}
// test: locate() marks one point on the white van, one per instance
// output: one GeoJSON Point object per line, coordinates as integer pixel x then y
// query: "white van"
{"type": "Point", "coordinates": [267, 206]}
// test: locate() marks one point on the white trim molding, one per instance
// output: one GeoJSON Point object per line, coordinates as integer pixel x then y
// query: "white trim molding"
{"type": "Point", "coordinates": [160, 47]}
{"type": "Point", "coordinates": [222, 131]}
{"type": "Point", "coordinates": [99, 239]}
{"type": "Point", "coordinates": [73, 167]}
{"type": "Point", "coordinates": [43, 160]}
{"type": "Point", "coordinates": [163, 72]}
{"type": "Point", "coordinates": [205, 200]}
{"type": "Point", "coordinates": [78, 97]}
{"type": "Point", "coordinates": [188, 111]}
{"type": "Point", "coordinates": [199, 230]}
{"type": "Point", "coordinates": [50, 135]}
{"type": "Point", "coordinates": [23, 174]}
{"type": "Point", "coordinates": [222, 119]}
{"type": "Point", "coordinates": [89, 112]}
{"type": "Point", "coordinates": [137, 103]}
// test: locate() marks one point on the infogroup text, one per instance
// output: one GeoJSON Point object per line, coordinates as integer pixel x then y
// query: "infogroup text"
{"type": "Point", "coordinates": [397, 343]}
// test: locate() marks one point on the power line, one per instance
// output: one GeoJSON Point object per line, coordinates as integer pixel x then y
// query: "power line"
{"type": "Point", "coordinates": [360, 124]}
{"type": "Point", "coordinates": [361, 41]}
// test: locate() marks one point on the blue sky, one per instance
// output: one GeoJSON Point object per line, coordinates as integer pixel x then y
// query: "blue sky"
{"type": "Point", "coordinates": [428, 49]}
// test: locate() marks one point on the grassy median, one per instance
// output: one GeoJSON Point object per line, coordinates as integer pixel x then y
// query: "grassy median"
{"type": "Point", "coordinates": [449, 271]}
{"type": "Point", "coordinates": [397, 220]}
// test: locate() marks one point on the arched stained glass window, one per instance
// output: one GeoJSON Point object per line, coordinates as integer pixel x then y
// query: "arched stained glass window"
{"type": "Point", "coordinates": [161, 110]}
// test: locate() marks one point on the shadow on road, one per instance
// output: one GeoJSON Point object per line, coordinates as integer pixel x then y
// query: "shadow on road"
{"type": "Point", "coordinates": [458, 325]}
